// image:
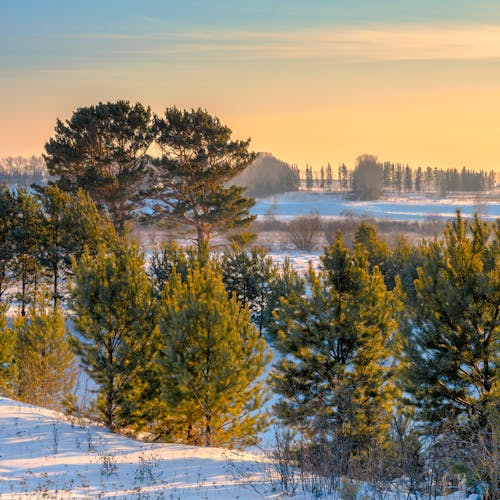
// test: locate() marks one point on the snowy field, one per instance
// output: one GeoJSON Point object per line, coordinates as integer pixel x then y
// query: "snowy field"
{"type": "Point", "coordinates": [410, 208]}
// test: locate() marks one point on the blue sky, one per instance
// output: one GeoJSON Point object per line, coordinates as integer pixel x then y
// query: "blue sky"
{"type": "Point", "coordinates": [303, 79]}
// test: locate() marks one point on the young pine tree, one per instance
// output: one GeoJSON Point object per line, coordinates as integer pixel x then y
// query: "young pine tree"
{"type": "Point", "coordinates": [8, 210]}
{"type": "Point", "coordinates": [334, 378]}
{"type": "Point", "coordinates": [454, 348]}
{"type": "Point", "coordinates": [115, 318]}
{"type": "Point", "coordinates": [248, 275]}
{"type": "Point", "coordinates": [210, 363]}
{"type": "Point", "coordinates": [26, 237]}
{"type": "Point", "coordinates": [8, 367]}
{"type": "Point", "coordinates": [46, 366]}
{"type": "Point", "coordinates": [453, 375]}
{"type": "Point", "coordinates": [70, 222]}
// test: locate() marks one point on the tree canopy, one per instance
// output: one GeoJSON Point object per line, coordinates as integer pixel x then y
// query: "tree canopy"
{"type": "Point", "coordinates": [368, 178]}
{"type": "Point", "coordinates": [188, 183]}
{"type": "Point", "coordinates": [103, 149]}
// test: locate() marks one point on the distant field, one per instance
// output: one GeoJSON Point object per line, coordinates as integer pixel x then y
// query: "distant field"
{"type": "Point", "coordinates": [405, 208]}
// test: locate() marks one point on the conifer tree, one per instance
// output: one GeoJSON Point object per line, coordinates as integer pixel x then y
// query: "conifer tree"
{"type": "Point", "coordinates": [248, 275]}
{"type": "Point", "coordinates": [210, 362]}
{"type": "Point", "coordinates": [115, 321]}
{"type": "Point", "coordinates": [167, 258]}
{"type": "Point", "coordinates": [376, 248]}
{"type": "Point", "coordinates": [329, 177]}
{"type": "Point", "coordinates": [103, 149]}
{"type": "Point", "coordinates": [454, 352]}
{"type": "Point", "coordinates": [46, 365]}
{"type": "Point", "coordinates": [335, 377]}
{"type": "Point", "coordinates": [8, 367]}
{"type": "Point", "coordinates": [26, 235]}
{"type": "Point", "coordinates": [188, 185]}
{"type": "Point", "coordinates": [69, 223]}
{"type": "Point", "coordinates": [7, 218]}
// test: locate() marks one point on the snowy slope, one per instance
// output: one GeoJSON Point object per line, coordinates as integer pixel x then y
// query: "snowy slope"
{"type": "Point", "coordinates": [43, 455]}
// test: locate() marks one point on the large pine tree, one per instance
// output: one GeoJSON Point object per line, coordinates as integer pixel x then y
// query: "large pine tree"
{"type": "Point", "coordinates": [188, 185]}
{"type": "Point", "coordinates": [103, 149]}
{"type": "Point", "coordinates": [210, 362]}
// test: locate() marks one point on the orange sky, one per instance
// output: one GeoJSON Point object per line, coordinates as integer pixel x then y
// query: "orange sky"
{"type": "Point", "coordinates": [423, 93]}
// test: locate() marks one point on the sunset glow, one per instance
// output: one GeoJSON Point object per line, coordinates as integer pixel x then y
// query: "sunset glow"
{"type": "Point", "coordinates": [312, 83]}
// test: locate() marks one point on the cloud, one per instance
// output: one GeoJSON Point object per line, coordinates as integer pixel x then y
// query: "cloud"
{"type": "Point", "coordinates": [371, 43]}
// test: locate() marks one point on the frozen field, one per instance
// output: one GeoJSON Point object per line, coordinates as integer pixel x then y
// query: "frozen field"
{"type": "Point", "coordinates": [404, 208]}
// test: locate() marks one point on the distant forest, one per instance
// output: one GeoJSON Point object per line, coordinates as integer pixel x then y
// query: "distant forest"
{"type": "Point", "coordinates": [268, 175]}
{"type": "Point", "coordinates": [22, 172]}
{"type": "Point", "coordinates": [399, 178]}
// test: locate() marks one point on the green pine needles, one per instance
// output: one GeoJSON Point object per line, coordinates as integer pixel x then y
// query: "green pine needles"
{"type": "Point", "coordinates": [210, 363]}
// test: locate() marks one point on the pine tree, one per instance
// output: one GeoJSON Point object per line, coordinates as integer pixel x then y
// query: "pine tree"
{"type": "Point", "coordinates": [69, 223]}
{"type": "Point", "coordinates": [247, 275]}
{"type": "Point", "coordinates": [7, 218]}
{"type": "Point", "coordinates": [334, 377]}
{"type": "Point", "coordinates": [166, 259]}
{"type": "Point", "coordinates": [210, 362]}
{"type": "Point", "coordinates": [408, 179]}
{"type": "Point", "coordinates": [376, 249]}
{"type": "Point", "coordinates": [285, 283]}
{"type": "Point", "coordinates": [309, 178]}
{"type": "Point", "coordinates": [115, 321]}
{"type": "Point", "coordinates": [46, 366]}
{"type": "Point", "coordinates": [189, 184]}
{"type": "Point", "coordinates": [329, 177]}
{"type": "Point", "coordinates": [8, 367]}
{"type": "Point", "coordinates": [26, 235]}
{"type": "Point", "coordinates": [455, 343]}
{"type": "Point", "coordinates": [103, 150]}
{"type": "Point", "coordinates": [419, 176]}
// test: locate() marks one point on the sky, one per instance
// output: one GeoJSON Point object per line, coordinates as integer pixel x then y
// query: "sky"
{"type": "Point", "coordinates": [313, 82]}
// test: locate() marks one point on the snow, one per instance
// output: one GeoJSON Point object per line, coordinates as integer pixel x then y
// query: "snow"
{"type": "Point", "coordinates": [410, 208]}
{"type": "Point", "coordinates": [44, 454]}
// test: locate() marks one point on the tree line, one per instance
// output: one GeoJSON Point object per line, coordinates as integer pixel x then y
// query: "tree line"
{"type": "Point", "coordinates": [22, 172]}
{"type": "Point", "coordinates": [392, 177]}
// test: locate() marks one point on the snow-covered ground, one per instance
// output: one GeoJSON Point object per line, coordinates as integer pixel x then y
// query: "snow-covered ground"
{"type": "Point", "coordinates": [410, 207]}
{"type": "Point", "coordinates": [44, 454]}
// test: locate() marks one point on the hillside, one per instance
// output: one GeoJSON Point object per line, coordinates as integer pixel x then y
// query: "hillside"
{"type": "Point", "coordinates": [45, 455]}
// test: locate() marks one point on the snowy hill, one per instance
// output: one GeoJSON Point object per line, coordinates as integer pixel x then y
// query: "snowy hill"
{"type": "Point", "coordinates": [44, 455]}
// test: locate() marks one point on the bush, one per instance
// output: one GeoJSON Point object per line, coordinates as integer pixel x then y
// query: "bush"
{"type": "Point", "coordinates": [304, 231]}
